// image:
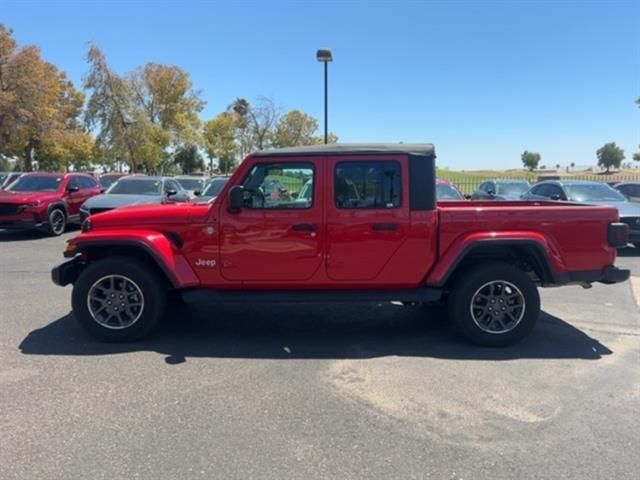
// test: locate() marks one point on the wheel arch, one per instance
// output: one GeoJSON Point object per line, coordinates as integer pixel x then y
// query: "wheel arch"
{"type": "Point", "coordinates": [157, 252]}
{"type": "Point", "coordinates": [528, 255]}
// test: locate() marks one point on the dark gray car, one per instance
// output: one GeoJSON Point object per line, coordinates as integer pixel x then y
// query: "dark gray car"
{"type": "Point", "coordinates": [501, 190]}
{"type": "Point", "coordinates": [135, 190]}
{"type": "Point", "coordinates": [631, 190]}
{"type": "Point", "coordinates": [596, 193]}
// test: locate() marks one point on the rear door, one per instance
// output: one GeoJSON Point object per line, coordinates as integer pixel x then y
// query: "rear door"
{"type": "Point", "coordinates": [368, 214]}
{"type": "Point", "coordinates": [278, 235]}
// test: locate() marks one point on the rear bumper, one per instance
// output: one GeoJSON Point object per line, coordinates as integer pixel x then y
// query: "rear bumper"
{"type": "Point", "coordinates": [66, 272]}
{"type": "Point", "coordinates": [607, 275]}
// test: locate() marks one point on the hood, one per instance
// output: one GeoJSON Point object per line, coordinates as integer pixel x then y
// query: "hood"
{"type": "Point", "coordinates": [150, 215]}
{"type": "Point", "coordinates": [27, 197]}
{"type": "Point", "coordinates": [114, 201]}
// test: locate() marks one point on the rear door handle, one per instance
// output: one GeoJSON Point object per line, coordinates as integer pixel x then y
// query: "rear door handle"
{"type": "Point", "coordinates": [304, 227]}
{"type": "Point", "coordinates": [384, 227]}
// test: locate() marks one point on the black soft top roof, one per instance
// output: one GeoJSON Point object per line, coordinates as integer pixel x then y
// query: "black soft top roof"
{"type": "Point", "coordinates": [422, 149]}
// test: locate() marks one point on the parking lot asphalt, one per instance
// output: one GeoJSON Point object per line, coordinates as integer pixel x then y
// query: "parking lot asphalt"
{"type": "Point", "coordinates": [314, 391]}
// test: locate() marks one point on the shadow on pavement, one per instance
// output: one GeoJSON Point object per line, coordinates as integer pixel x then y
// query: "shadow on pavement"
{"type": "Point", "coordinates": [28, 235]}
{"type": "Point", "coordinates": [313, 331]}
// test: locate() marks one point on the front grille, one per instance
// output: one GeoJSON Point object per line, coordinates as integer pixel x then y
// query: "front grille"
{"type": "Point", "coordinates": [9, 209]}
{"type": "Point", "coordinates": [633, 222]}
{"type": "Point", "coordinates": [93, 211]}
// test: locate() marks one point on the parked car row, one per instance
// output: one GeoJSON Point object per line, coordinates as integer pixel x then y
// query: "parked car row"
{"type": "Point", "coordinates": [624, 196]}
{"type": "Point", "coordinates": [51, 201]}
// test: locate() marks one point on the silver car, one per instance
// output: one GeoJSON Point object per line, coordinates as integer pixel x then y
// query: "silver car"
{"type": "Point", "coordinates": [135, 190]}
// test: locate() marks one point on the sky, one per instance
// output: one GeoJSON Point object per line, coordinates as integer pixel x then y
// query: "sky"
{"type": "Point", "coordinates": [482, 80]}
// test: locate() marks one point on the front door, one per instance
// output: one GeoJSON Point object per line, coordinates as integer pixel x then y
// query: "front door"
{"type": "Point", "coordinates": [278, 235]}
{"type": "Point", "coordinates": [368, 215]}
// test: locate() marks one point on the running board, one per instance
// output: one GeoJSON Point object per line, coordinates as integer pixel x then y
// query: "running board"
{"type": "Point", "coordinates": [201, 295]}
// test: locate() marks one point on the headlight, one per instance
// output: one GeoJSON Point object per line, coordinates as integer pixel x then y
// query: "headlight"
{"type": "Point", "coordinates": [37, 203]}
{"type": "Point", "coordinates": [86, 225]}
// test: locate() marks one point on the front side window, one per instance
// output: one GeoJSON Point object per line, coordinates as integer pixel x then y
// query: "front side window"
{"type": "Point", "coordinates": [279, 185]}
{"type": "Point", "coordinates": [593, 192]}
{"type": "Point", "coordinates": [373, 184]}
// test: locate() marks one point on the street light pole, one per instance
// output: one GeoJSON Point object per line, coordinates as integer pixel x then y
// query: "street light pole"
{"type": "Point", "coordinates": [324, 55]}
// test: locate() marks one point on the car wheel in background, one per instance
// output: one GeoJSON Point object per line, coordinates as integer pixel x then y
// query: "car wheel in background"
{"type": "Point", "coordinates": [56, 222]}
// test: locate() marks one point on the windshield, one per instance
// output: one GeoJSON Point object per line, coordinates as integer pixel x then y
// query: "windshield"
{"type": "Point", "coordinates": [3, 177]}
{"type": "Point", "coordinates": [136, 187]}
{"type": "Point", "coordinates": [214, 187]}
{"type": "Point", "coordinates": [593, 193]}
{"type": "Point", "coordinates": [107, 180]}
{"type": "Point", "coordinates": [35, 184]}
{"type": "Point", "coordinates": [513, 188]}
{"type": "Point", "coordinates": [191, 183]}
{"type": "Point", "coordinates": [446, 192]}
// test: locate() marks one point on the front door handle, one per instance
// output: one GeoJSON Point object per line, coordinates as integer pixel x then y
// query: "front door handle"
{"type": "Point", "coordinates": [304, 227]}
{"type": "Point", "coordinates": [384, 227]}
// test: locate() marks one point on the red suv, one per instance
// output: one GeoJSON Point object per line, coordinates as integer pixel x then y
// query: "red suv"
{"type": "Point", "coordinates": [46, 200]}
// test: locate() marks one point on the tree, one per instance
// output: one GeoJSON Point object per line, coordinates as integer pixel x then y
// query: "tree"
{"type": "Point", "coordinates": [295, 128]}
{"type": "Point", "coordinates": [557, 166]}
{"type": "Point", "coordinates": [262, 119]}
{"type": "Point", "coordinates": [142, 117]}
{"type": "Point", "coordinates": [166, 96]}
{"type": "Point", "coordinates": [38, 104]}
{"type": "Point", "coordinates": [573, 165]}
{"type": "Point", "coordinates": [239, 109]}
{"type": "Point", "coordinates": [189, 159]}
{"type": "Point", "coordinates": [219, 135]}
{"type": "Point", "coordinates": [610, 155]}
{"type": "Point", "coordinates": [530, 160]}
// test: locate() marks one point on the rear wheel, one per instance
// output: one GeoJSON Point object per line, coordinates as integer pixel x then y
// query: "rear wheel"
{"type": "Point", "coordinates": [118, 299]}
{"type": "Point", "coordinates": [56, 222]}
{"type": "Point", "coordinates": [494, 305]}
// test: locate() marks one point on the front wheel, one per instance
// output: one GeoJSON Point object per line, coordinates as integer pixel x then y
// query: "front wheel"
{"type": "Point", "coordinates": [494, 305]}
{"type": "Point", "coordinates": [118, 299]}
{"type": "Point", "coordinates": [56, 222]}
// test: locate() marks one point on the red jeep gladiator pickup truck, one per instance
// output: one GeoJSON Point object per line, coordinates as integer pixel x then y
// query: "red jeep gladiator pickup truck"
{"type": "Point", "coordinates": [338, 223]}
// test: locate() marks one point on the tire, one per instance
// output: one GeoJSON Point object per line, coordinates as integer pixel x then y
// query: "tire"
{"type": "Point", "coordinates": [483, 289]}
{"type": "Point", "coordinates": [56, 222]}
{"type": "Point", "coordinates": [104, 287]}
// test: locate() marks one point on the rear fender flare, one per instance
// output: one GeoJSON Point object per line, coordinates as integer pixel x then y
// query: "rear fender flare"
{"type": "Point", "coordinates": [545, 251]}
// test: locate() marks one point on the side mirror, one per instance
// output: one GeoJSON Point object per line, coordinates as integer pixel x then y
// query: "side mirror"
{"type": "Point", "coordinates": [102, 190]}
{"type": "Point", "coordinates": [491, 193]}
{"type": "Point", "coordinates": [197, 193]}
{"type": "Point", "coordinates": [295, 195]}
{"type": "Point", "coordinates": [72, 189]}
{"type": "Point", "coordinates": [171, 192]}
{"type": "Point", "coordinates": [236, 199]}
{"type": "Point", "coordinates": [555, 196]}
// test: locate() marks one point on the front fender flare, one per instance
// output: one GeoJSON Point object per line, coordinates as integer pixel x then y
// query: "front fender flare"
{"type": "Point", "coordinates": [158, 246]}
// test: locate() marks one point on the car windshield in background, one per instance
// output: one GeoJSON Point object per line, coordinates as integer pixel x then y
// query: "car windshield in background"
{"type": "Point", "coordinates": [35, 184]}
{"type": "Point", "coordinates": [512, 188]}
{"type": "Point", "coordinates": [214, 187]}
{"type": "Point", "coordinates": [446, 192]}
{"type": "Point", "coordinates": [191, 183]}
{"type": "Point", "coordinates": [593, 193]}
{"type": "Point", "coordinates": [107, 180]}
{"type": "Point", "coordinates": [136, 187]}
{"type": "Point", "coordinates": [3, 177]}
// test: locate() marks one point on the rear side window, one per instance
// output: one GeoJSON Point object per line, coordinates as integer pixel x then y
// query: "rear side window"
{"type": "Point", "coordinates": [375, 184]}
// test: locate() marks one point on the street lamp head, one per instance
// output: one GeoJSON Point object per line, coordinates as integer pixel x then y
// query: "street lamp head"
{"type": "Point", "coordinates": [324, 55]}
